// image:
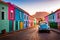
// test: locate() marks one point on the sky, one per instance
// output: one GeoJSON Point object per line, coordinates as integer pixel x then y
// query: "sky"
{"type": "Point", "coordinates": [33, 6]}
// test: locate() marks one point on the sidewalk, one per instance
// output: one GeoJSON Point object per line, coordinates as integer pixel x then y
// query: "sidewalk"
{"type": "Point", "coordinates": [55, 30]}
{"type": "Point", "coordinates": [14, 32]}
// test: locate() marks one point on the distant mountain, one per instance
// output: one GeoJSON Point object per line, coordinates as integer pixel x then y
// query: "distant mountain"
{"type": "Point", "coordinates": [40, 14]}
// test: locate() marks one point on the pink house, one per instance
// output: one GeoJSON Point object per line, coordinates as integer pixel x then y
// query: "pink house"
{"type": "Point", "coordinates": [11, 12]}
{"type": "Point", "coordinates": [11, 15]}
{"type": "Point", "coordinates": [46, 19]}
{"type": "Point", "coordinates": [31, 21]}
{"type": "Point", "coordinates": [57, 15]}
{"type": "Point", "coordinates": [57, 12]}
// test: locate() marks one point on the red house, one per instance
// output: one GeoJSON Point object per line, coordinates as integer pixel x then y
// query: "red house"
{"type": "Point", "coordinates": [11, 12]}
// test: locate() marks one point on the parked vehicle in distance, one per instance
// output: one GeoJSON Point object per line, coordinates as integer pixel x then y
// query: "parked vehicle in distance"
{"type": "Point", "coordinates": [44, 27]}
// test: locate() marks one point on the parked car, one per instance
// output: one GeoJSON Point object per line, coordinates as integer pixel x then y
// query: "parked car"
{"type": "Point", "coordinates": [44, 27]}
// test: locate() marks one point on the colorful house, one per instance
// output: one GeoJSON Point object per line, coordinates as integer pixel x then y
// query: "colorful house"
{"type": "Point", "coordinates": [3, 11]}
{"type": "Point", "coordinates": [19, 18]}
{"type": "Point", "coordinates": [57, 13]}
{"type": "Point", "coordinates": [26, 15]}
{"type": "Point", "coordinates": [13, 18]}
{"type": "Point", "coordinates": [35, 21]}
{"type": "Point", "coordinates": [31, 21]}
{"type": "Point", "coordinates": [52, 17]}
{"type": "Point", "coordinates": [52, 20]}
{"type": "Point", "coordinates": [46, 19]}
{"type": "Point", "coordinates": [4, 22]}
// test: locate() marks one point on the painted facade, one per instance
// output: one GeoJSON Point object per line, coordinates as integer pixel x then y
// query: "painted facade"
{"type": "Point", "coordinates": [52, 20]}
{"type": "Point", "coordinates": [46, 19]}
{"type": "Point", "coordinates": [52, 17]}
{"type": "Point", "coordinates": [11, 14]}
{"type": "Point", "coordinates": [13, 18]}
{"type": "Point", "coordinates": [19, 14]}
{"type": "Point", "coordinates": [26, 20]}
{"type": "Point", "coordinates": [4, 23]}
{"type": "Point", "coordinates": [31, 21]}
{"type": "Point", "coordinates": [57, 13]}
{"type": "Point", "coordinates": [3, 11]}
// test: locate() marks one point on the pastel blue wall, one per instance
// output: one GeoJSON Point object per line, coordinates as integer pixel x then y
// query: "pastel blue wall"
{"type": "Point", "coordinates": [25, 20]}
{"type": "Point", "coordinates": [52, 17]}
{"type": "Point", "coordinates": [19, 15]}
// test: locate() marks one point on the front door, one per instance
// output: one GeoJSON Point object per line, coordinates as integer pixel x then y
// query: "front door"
{"type": "Point", "coordinates": [21, 25]}
{"type": "Point", "coordinates": [16, 24]}
{"type": "Point", "coordinates": [10, 25]}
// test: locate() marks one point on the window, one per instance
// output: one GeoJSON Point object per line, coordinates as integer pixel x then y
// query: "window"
{"type": "Point", "coordinates": [27, 17]}
{"type": "Point", "coordinates": [2, 15]}
{"type": "Point", "coordinates": [11, 14]}
{"type": "Point", "coordinates": [58, 16]}
{"type": "Point", "coordinates": [24, 22]}
{"type": "Point", "coordinates": [53, 16]}
{"type": "Point", "coordinates": [20, 15]}
{"type": "Point", "coordinates": [24, 16]}
{"type": "Point", "coordinates": [2, 7]}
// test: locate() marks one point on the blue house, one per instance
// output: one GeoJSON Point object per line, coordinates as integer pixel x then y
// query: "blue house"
{"type": "Point", "coordinates": [26, 15]}
{"type": "Point", "coordinates": [52, 20]}
{"type": "Point", "coordinates": [19, 18]}
{"type": "Point", "coordinates": [52, 17]}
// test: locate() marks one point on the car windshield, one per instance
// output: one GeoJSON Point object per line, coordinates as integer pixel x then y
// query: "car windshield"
{"type": "Point", "coordinates": [43, 25]}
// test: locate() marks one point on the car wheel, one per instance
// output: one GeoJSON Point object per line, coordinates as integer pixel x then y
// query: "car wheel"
{"type": "Point", "coordinates": [48, 31]}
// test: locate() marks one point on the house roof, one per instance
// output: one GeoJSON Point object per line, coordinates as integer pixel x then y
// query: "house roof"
{"type": "Point", "coordinates": [57, 10]}
{"type": "Point", "coordinates": [50, 14]}
{"type": "Point", "coordinates": [22, 9]}
{"type": "Point", "coordinates": [4, 2]}
{"type": "Point", "coordinates": [54, 12]}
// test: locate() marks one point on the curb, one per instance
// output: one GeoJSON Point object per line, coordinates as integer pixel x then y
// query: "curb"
{"type": "Point", "coordinates": [55, 31]}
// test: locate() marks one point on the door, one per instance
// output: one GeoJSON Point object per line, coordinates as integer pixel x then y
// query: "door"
{"type": "Point", "coordinates": [21, 25]}
{"type": "Point", "coordinates": [16, 25]}
{"type": "Point", "coordinates": [10, 25]}
{"type": "Point", "coordinates": [24, 24]}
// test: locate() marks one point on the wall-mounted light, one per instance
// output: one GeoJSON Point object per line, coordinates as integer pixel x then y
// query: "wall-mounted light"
{"type": "Point", "coordinates": [11, 11]}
